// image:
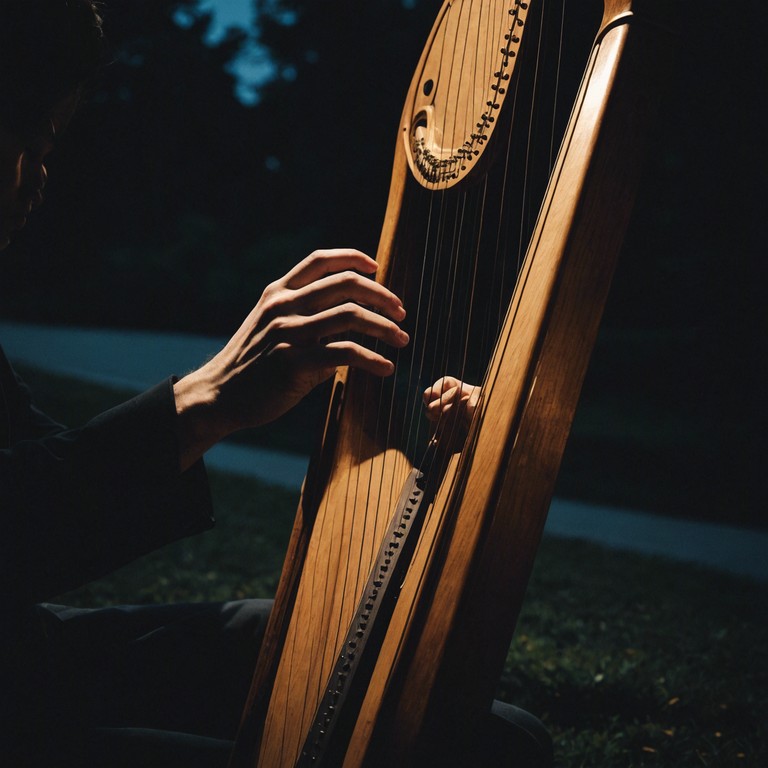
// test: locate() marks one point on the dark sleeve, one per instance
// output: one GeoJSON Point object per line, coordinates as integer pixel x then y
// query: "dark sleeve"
{"type": "Point", "coordinates": [76, 504]}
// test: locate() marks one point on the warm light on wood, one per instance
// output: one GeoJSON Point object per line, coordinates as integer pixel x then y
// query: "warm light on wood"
{"type": "Point", "coordinates": [445, 645]}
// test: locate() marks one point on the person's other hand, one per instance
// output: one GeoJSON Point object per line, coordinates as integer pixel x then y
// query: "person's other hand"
{"type": "Point", "coordinates": [450, 404]}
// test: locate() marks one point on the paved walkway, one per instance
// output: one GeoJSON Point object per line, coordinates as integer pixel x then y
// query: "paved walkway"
{"type": "Point", "coordinates": [137, 360]}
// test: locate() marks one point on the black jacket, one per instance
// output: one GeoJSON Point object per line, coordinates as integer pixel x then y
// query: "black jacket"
{"type": "Point", "coordinates": [77, 504]}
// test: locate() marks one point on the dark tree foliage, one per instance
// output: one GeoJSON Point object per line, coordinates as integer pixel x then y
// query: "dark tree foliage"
{"type": "Point", "coordinates": [344, 68]}
{"type": "Point", "coordinates": [171, 204]}
{"type": "Point", "coordinates": [152, 195]}
{"type": "Point", "coordinates": [686, 315]}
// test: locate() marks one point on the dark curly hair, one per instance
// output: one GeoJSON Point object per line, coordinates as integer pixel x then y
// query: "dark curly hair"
{"type": "Point", "coordinates": [48, 50]}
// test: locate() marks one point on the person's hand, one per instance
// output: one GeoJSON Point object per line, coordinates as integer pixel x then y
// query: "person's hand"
{"type": "Point", "coordinates": [293, 339]}
{"type": "Point", "coordinates": [450, 404]}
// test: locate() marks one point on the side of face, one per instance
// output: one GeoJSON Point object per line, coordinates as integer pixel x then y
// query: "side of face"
{"type": "Point", "coordinates": [22, 176]}
{"type": "Point", "coordinates": [22, 167]}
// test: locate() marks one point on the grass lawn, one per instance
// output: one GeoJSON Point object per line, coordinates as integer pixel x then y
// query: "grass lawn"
{"type": "Point", "coordinates": [629, 660]}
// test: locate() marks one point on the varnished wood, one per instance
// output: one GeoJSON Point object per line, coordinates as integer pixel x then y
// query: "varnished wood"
{"type": "Point", "coordinates": [456, 613]}
{"type": "Point", "coordinates": [499, 505]}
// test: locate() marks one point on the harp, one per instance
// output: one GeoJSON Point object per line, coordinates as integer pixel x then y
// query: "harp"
{"type": "Point", "coordinates": [408, 561]}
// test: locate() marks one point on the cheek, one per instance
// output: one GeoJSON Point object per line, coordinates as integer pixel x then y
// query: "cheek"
{"type": "Point", "coordinates": [10, 178]}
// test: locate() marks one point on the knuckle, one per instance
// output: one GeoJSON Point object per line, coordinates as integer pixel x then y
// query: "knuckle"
{"type": "Point", "coordinates": [317, 255]}
{"type": "Point", "coordinates": [353, 278]}
{"type": "Point", "coordinates": [343, 349]}
{"type": "Point", "coordinates": [277, 286]}
{"type": "Point", "coordinates": [269, 294]}
{"type": "Point", "coordinates": [345, 282]}
{"type": "Point", "coordinates": [279, 327]}
{"type": "Point", "coordinates": [350, 353]}
{"type": "Point", "coordinates": [351, 312]}
{"type": "Point", "coordinates": [275, 301]}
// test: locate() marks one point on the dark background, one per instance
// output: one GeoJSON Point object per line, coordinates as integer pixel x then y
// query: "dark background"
{"type": "Point", "coordinates": [171, 204]}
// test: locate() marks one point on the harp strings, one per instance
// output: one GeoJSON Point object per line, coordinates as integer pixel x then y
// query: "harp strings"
{"type": "Point", "coordinates": [441, 307]}
{"type": "Point", "coordinates": [508, 245]}
{"type": "Point", "coordinates": [426, 317]}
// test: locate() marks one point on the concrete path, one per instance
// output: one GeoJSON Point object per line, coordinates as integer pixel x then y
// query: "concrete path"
{"type": "Point", "coordinates": [134, 360]}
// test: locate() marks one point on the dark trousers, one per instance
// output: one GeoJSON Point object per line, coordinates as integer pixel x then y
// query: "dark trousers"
{"type": "Point", "coordinates": [164, 686]}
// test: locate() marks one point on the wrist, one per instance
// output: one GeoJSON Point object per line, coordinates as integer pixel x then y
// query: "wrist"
{"type": "Point", "coordinates": [199, 423]}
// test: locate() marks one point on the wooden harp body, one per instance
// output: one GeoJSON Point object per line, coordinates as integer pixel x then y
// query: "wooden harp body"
{"type": "Point", "coordinates": [504, 279]}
